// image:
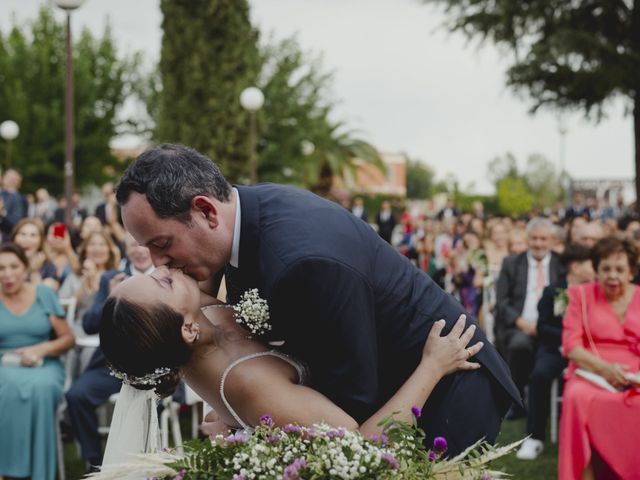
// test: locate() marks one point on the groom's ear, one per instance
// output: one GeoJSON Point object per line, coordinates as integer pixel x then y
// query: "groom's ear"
{"type": "Point", "coordinates": [203, 205]}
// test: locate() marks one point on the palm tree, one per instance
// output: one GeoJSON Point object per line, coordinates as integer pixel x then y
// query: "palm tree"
{"type": "Point", "coordinates": [337, 151]}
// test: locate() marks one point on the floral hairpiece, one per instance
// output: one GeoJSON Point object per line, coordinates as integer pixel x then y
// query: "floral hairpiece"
{"type": "Point", "coordinates": [152, 378]}
{"type": "Point", "coordinates": [253, 312]}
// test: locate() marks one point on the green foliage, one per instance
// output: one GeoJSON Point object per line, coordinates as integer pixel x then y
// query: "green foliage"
{"type": "Point", "coordinates": [209, 55]}
{"type": "Point", "coordinates": [566, 55]}
{"type": "Point", "coordinates": [465, 202]}
{"type": "Point", "coordinates": [421, 181]}
{"type": "Point", "coordinates": [514, 198]}
{"type": "Point", "coordinates": [539, 180]}
{"type": "Point", "coordinates": [32, 66]}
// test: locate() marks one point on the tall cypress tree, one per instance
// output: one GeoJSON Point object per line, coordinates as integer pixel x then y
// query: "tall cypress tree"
{"type": "Point", "coordinates": [209, 55]}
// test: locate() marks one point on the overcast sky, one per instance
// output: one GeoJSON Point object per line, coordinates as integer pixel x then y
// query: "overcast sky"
{"type": "Point", "coordinates": [401, 80]}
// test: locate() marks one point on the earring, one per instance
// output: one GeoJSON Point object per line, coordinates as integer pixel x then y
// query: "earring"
{"type": "Point", "coordinates": [197, 332]}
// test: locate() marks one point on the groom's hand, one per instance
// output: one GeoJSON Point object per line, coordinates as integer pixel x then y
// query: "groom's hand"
{"type": "Point", "coordinates": [213, 426]}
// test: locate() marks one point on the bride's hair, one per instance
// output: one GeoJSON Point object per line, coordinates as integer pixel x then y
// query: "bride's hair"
{"type": "Point", "coordinates": [138, 339]}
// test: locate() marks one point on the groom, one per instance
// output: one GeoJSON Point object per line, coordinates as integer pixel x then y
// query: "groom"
{"type": "Point", "coordinates": [341, 299]}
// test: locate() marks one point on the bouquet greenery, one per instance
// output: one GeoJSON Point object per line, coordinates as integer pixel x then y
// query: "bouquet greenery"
{"type": "Point", "coordinates": [317, 452]}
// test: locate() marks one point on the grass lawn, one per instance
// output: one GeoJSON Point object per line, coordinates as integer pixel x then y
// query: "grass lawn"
{"type": "Point", "coordinates": [544, 468]}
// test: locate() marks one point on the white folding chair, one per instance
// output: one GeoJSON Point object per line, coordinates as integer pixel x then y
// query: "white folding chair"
{"type": "Point", "coordinates": [555, 400]}
{"type": "Point", "coordinates": [69, 304]}
{"type": "Point", "coordinates": [170, 413]}
{"type": "Point", "coordinates": [488, 301]}
{"type": "Point", "coordinates": [193, 399]}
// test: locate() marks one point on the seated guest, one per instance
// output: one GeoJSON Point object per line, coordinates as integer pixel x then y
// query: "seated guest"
{"type": "Point", "coordinates": [97, 255]}
{"type": "Point", "coordinates": [519, 288]}
{"type": "Point", "coordinates": [548, 362]}
{"type": "Point", "coordinates": [33, 333]}
{"type": "Point", "coordinates": [60, 252]}
{"type": "Point", "coordinates": [28, 234]}
{"type": "Point", "coordinates": [599, 430]}
{"type": "Point", "coordinates": [95, 385]}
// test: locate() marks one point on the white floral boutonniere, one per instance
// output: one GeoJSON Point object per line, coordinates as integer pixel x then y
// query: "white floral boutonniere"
{"type": "Point", "coordinates": [560, 302]}
{"type": "Point", "coordinates": [253, 312]}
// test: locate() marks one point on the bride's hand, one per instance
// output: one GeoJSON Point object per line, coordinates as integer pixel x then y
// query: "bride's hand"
{"type": "Point", "coordinates": [213, 425]}
{"type": "Point", "coordinates": [450, 353]}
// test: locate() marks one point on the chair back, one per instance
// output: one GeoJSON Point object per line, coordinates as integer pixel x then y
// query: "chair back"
{"type": "Point", "coordinates": [69, 305]}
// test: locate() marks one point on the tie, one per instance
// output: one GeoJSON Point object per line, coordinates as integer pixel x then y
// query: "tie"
{"type": "Point", "coordinates": [231, 280]}
{"type": "Point", "coordinates": [540, 278]}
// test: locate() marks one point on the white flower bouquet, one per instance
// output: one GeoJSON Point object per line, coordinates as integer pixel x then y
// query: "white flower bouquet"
{"type": "Point", "coordinates": [317, 452]}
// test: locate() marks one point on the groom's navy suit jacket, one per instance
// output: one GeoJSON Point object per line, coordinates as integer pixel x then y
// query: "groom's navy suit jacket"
{"type": "Point", "coordinates": [358, 313]}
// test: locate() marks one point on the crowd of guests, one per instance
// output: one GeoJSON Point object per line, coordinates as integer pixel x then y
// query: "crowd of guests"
{"type": "Point", "coordinates": [51, 367]}
{"type": "Point", "coordinates": [531, 282]}
{"type": "Point", "coordinates": [558, 296]}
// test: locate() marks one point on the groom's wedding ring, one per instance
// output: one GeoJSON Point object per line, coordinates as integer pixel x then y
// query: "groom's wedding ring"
{"type": "Point", "coordinates": [468, 353]}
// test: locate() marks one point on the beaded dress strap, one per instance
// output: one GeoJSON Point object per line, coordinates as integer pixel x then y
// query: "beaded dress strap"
{"type": "Point", "coordinates": [273, 353]}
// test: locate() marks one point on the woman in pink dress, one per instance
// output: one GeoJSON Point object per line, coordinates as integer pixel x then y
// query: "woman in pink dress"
{"type": "Point", "coordinates": [600, 425]}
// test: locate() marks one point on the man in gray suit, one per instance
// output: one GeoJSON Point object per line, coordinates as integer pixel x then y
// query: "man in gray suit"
{"type": "Point", "coordinates": [519, 288]}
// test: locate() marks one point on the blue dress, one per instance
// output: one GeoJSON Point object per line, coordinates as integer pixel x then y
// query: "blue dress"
{"type": "Point", "coordinates": [29, 396]}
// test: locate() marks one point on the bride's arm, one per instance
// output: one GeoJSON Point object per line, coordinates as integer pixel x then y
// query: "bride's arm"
{"type": "Point", "coordinates": [265, 388]}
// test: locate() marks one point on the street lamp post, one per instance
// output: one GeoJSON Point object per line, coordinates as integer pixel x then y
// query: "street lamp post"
{"type": "Point", "coordinates": [564, 176]}
{"type": "Point", "coordinates": [9, 130]}
{"type": "Point", "coordinates": [69, 164]}
{"type": "Point", "coordinates": [252, 100]}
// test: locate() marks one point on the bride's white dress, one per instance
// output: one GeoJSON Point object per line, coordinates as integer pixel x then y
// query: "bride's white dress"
{"type": "Point", "coordinates": [302, 376]}
{"type": "Point", "coordinates": [134, 426]}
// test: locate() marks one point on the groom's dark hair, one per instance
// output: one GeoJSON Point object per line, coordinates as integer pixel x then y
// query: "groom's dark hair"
{"type": "Point", "coordinates": [170, 176]}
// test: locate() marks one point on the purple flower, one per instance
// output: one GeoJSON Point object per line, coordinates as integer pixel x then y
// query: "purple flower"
{"type": "Point", "coordinates": [335, 434]}
{"type": "Point", "coordinates": [236, 438]}
{"type": "Point", "coordinates": [382, 439]}
{"type": "Point", "coordinates": [180, 475]}
{"type": "Point", "coordinates": [273, 439]}
{"type": "Point", "coordinates": [391, 460]}
{"type": "Point", "coordinates": [486, 476]}
{"type": "Point", "coordinates": [417, 411]}
{"type": "Point", "coordinates": [290, 428]}
{"type": "Point", "coordinates": [310, 434]}
{"type": "Point", "coordinates": [238, 476]}
{"type": "Point", "coordinates": [292, 472]}
{"type": "Point", "coordinates": [266, 420]}
{"type": "Point", "coordinates": [433, 456]}
{"type": "Point", "coordinates": [440, 444]}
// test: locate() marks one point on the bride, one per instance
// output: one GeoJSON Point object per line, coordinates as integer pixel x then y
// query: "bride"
{"type": "Point", "coordinates": [159, 328]}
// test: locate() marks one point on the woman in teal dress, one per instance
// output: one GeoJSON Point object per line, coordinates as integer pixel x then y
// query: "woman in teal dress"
{"type": "Point", "coordinates": [33, 333]}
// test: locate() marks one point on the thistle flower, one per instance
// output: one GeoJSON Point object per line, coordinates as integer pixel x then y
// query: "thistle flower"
{"type": "Point", "coordinates": [440, 444]}
{"type": "Point", "coordinates": [417, 411]}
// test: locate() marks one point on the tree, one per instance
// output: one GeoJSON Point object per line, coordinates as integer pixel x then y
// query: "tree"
{"type": "Point", "coordinates": [297, 110]}
{"type": "Point", "coordinates": [32, 93]}
{"type": "Point", "coordinates": [539, 182]}
{"type": "Point", "coordinates": [514, 198]}
{"type": "Point", "coordinates": [567, 55]}
{"type": "Point", "coordinates": [421, 180]}
{"type": "Point", "coordinates": [543, 181]}
{"type": "Point", "coordinates": [209, 55]}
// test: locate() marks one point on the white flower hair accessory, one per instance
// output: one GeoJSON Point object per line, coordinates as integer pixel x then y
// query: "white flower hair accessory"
{"type": "Point", "coordinates": [252, 312]}
{"type": "Point", "coordinates": [153, 378]}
